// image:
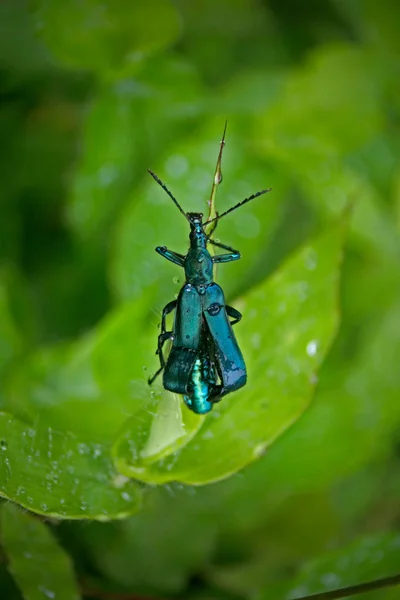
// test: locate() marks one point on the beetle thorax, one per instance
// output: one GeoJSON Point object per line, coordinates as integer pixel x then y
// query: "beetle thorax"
{"type": "Point", "coordinates": [198, 263]}
{"type": "Point", "coordinates": [198, 266]}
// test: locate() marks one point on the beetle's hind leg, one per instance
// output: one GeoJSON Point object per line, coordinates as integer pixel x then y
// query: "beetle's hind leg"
{"type": "Point", "coordinates": [234, 314]}
{"type": "Point", "coordinates": [162, 338]}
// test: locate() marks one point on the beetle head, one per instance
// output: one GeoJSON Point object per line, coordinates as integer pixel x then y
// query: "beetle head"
{"type": "Point", "coordinates": [195, 218]}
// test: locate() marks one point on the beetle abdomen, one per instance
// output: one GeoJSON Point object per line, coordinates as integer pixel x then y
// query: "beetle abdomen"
{"type": "Point", "coordinates": [202, 382]}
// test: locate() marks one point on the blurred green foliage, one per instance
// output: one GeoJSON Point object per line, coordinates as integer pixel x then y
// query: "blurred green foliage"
{"type": "Point", "coordinates": [93, 93]}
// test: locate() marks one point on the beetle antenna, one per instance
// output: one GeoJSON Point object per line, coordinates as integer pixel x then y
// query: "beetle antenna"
{"type": "Point", "coordinates": [238, 206]}
{"type": "Point", "coordinates": [164, 187]}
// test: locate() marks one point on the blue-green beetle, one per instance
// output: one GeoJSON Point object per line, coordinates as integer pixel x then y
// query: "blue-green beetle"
{"type": "Point", "coordinates": [205, 362]}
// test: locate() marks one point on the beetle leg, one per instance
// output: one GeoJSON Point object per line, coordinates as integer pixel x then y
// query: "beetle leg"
{"type": "Point", "coordinates": [235, 314]}
{"type": "Point", "coordinates": [162, 338]}
{"type": "Point", "coordinates": [175, 257]}
{"type": "Point", "coordinates": [168, 308]}
{"type": "Point", "coordinates": [223, 258]}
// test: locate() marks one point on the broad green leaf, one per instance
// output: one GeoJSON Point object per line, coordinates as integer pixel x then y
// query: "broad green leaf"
{"type": "Point", "coordinates": [291, 321]}
{"type": "Point", "coordinates": [110, 37]}
{"type": "Point", "coordinates": [362, 561]}
{"type": "Point", "coordinates": [89, 387]}
{"type": "Point", "coordinates": [40, 567]}
{"type": "Point", "coordinates": [57, 474]}
{"type": "Point", "coordinates": [356, 404]}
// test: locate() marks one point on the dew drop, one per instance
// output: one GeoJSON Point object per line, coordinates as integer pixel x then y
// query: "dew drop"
{"type": "Point", "coordinates": [330, 580]}
{"type": "Point", "coordinates": [120, 480]}
{"type": "Point", "coordinates": [312, 348]}
{"type": "Point", "coordinates": [48, 593]}
{"type": "Point", "coordinates": [256, 340]}
{"type": "Point", "coordinates": [97, 450]}
{"type": "Point", "coordinates": [259, 450]}
{"type": "Point", "coordinates": [311, 260]}
{"type": "Point", "coordinates": [82, 448]}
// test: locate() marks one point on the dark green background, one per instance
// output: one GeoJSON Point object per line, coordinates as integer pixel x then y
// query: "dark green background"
{"type": "Point", "coordinates": [92, 94]}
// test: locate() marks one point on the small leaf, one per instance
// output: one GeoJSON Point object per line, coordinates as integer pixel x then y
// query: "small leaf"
{"type": "Point", "coordinates": [40, 567]}
{"type": "Point", "coordinates": [57, 474]}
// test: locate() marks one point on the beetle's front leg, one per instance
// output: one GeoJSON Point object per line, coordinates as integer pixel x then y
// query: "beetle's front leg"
{"type": "Point", "coordinates": [175, 257]}
{"type": "Point", "coordinates": [223, 258]}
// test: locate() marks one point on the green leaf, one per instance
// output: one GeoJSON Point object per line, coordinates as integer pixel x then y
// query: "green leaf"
{"type": "Point", "coordinates": [110, 37]}
{"type": "Point", "coordinates": [356, 403]}
{"type": "Point", "coordinates": [89, 387]}
{"type": "Point", "coordinates": [57, 474]}
{"type": "Point", "coordinates": [290, 321]}
{"type": "Point", "coordinates": [364, 560]}
{"type": "Point", "coordinates": [41, 568]}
